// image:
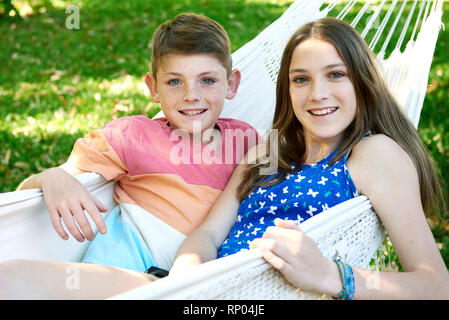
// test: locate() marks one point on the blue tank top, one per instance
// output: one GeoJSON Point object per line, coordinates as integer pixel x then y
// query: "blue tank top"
{"type": "Point", "coordinates": [304, 193]}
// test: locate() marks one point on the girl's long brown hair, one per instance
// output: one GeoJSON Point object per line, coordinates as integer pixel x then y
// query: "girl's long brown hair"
{"type": "Point", "coordinates": [378, 113]}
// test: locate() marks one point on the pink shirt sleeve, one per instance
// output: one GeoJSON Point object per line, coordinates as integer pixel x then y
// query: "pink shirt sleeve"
{"type": "Point", "coordinates": [94, 153]}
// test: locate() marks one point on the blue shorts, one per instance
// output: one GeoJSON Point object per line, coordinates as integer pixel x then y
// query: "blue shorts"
{"type": "Point", "coordinates": [121, 246]}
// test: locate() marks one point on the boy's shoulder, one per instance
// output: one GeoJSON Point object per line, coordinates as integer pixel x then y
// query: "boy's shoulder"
{"type": "Point", "coordinates": [229, 123]}
{"type": "Point", "coordinates": [134, 122]}
{"type": "Point", "coordinates": [140, 123]}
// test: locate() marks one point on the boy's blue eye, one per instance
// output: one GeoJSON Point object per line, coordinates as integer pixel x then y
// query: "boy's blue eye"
{"type": "Point", "coordinates": [174, 82]}
{"type": "Point", "coordinates": [208, 81]}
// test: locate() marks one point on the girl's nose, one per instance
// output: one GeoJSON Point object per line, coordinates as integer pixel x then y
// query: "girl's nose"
{"type": "Point", "coordinates": [319, 90]}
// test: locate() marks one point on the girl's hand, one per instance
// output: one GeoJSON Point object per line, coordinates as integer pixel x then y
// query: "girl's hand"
{"type": "Point", "coordinates": [297, 257]}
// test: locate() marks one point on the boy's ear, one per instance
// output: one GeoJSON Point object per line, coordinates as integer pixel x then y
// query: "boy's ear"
{"type": "Point", "coordinates": [150, 81]}
{"type": "Point", "coordinates": [233, 83]}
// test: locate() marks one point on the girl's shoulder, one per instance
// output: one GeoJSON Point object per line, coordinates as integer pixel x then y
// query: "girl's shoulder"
{"type": "Point", "coordinates": [378, 147]}
{"type": "Point", "coordinates": [376, 159]}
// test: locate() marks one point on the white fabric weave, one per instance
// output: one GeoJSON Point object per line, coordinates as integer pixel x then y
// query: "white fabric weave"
{"type": "Point", "coordinates": [350, 230]}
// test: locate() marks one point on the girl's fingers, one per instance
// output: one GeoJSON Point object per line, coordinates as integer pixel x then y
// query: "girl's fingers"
{"type": "Point", "coordinates": [284, 240]}
{"type": "Point", "coordinates": [286, 224]}
{"type": "Point", "coordinates": [276, 261]}
{"type": "Point", "coordinates": [276, 247]}
{"type": "Point", "coordinates": [255, 244]}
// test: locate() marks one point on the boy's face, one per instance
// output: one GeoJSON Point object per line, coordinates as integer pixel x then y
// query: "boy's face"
{"type": "Point", "coordinates": [192, 88]}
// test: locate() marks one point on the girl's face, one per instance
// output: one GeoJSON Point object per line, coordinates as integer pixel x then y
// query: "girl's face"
{"type": "Point", "coordinates": [321, 92]}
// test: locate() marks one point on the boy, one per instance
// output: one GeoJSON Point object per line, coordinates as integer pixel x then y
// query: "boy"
{"type": "Point", "coordinates": [162, 196]}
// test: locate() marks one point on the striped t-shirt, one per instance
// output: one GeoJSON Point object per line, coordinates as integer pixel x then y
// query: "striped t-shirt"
{"type": "Point", "coordinates": [162, 171]}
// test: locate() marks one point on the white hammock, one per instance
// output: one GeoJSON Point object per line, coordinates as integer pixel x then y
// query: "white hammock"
{"type": "Point", "coordinates": [351, 229]}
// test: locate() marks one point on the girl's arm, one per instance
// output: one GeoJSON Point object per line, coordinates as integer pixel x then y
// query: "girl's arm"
{"type": "Point", "coordinates": [383, 172]}
{"type": "Point", "coordinates": [203, 243]}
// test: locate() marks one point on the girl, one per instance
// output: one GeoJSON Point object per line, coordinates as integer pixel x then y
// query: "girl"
{"type": "Point", "coordinates": [341, 134]}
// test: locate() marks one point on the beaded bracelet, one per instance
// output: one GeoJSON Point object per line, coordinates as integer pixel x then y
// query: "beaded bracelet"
{"type": "Point", "coordinates": [347, 279]}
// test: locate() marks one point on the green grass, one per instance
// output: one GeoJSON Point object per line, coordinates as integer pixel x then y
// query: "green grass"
{"type": "Point", "coordinates": [57, 84]}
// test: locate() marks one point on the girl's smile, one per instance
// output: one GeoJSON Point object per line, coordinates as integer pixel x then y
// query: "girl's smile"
{"type": "Point", "coordinates": [321, 92]}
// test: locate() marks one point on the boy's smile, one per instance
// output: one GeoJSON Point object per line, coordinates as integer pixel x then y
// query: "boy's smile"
{"type": "Point", "coordinates": [192, 88]}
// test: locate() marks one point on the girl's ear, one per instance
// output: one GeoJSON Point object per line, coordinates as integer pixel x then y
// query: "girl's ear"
{"type": "Point", "coordinates": [150, 81]}
{"type": "Point", "coordinates": [233, 83]}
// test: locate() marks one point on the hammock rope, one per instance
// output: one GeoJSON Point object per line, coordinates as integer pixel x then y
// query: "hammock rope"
{"type": "Point", "coordinates": [384, 23]}
{"type": "Point", "coordinates": [393, 28]}
{"type": "Point", "coordinates": [361, 13]}
{"type": "Point", "coordinates": [415, 28]}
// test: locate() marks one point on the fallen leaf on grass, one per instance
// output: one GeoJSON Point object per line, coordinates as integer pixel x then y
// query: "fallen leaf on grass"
{"type": "Point", "coordinates": [69, 89]}
{"type": "Point", "coordinates": [7, 155]}
{"type": "Point", "coordinates": [20, 164]}
{"type": "Point", "coordinates": [121, 107]}
{"type": "Point", "coordinates": [433, 86]}
{"type": "Point", "coordinates": [57, 75]}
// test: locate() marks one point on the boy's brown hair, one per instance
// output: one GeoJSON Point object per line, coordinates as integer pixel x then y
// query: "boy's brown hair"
{"type": "Point", "coordinates": [190, 33]}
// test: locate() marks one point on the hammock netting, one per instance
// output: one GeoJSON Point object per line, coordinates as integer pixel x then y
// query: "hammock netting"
{"type": "Point", "coordinates": [403, 34]}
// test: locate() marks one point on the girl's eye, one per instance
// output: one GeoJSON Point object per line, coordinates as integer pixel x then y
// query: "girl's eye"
{"type": "Point", "coordinates": [300, 79]}
{"type": "Point", "coordinates": [336, 75]}
{"type": "Point", "coordinates": [208, 81]}
{"type": "Point", "coordinates": [174, 82]}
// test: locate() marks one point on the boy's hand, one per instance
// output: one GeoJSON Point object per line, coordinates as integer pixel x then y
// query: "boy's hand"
{"type": "Point", "coordinates": [67, 198]}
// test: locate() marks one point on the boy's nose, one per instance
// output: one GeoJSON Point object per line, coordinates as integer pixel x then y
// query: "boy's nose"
{"type": "Point", "coordinates": [191, 93]}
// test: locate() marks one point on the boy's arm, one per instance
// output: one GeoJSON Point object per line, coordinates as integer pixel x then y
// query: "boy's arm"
{"type": "Point", "coordinates": [67, 198]}
{"type": "Point", "coordinates": [34, 181]}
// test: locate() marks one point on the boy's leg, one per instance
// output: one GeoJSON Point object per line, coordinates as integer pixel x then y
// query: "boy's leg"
{"type": "Point", "coordinates": [30, 279]}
